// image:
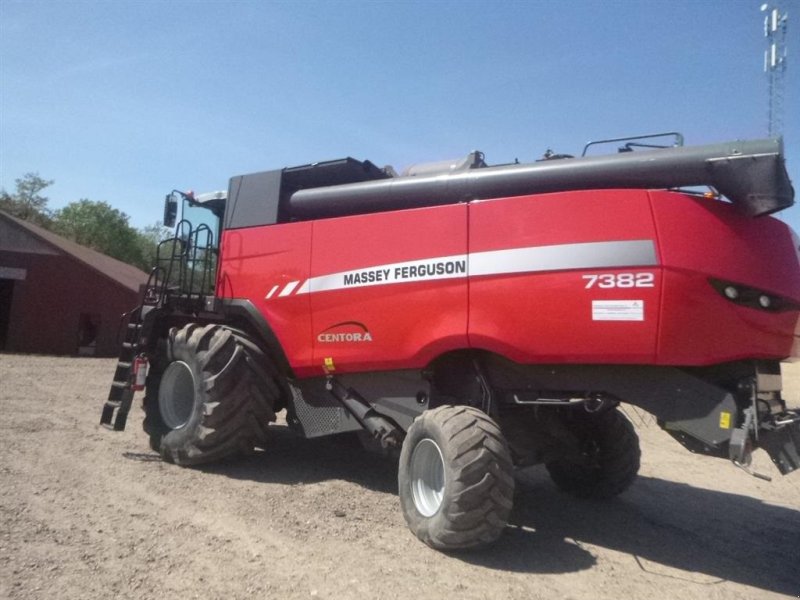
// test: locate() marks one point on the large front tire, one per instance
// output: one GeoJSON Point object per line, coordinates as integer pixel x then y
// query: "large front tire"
{"type": "Point", "coordinates": [210, 398]}
{"type": "Point", "coordinates": [455, 478]}
{"type": "Point", "coordinates": [608, 459]}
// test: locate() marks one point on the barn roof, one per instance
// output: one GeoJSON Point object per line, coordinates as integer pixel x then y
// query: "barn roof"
{"type": "Point", "coordinates": [116, 270]}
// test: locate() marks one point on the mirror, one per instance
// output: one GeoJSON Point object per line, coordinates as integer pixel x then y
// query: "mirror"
{"type": "Point", "coordinates": [170, 210]}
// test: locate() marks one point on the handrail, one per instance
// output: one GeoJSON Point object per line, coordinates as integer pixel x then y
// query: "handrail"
{"type": "Point", "coordinates": [678, 141]}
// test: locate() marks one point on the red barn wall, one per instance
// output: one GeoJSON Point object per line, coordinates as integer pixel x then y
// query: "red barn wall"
{"type": "Point", "coordinates": [46, 306]}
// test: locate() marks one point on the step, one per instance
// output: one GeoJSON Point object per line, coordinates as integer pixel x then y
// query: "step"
{"type": "Point", "coordinates": [116, 393]}
{"type": "Point", "coordinates": [123, 371]}
{"type": "Point", "coordinates": [108, 414]}
{"type": "Point", "coordinates": [115, 412]}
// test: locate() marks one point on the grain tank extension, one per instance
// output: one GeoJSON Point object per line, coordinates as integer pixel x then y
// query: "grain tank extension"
{"type": "Point", "coordinates": [474, 319]}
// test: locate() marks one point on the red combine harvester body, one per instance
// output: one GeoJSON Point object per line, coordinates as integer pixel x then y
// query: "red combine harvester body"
{"type": "Point", "coordinates": [600, 277]}
{"type": "Point", "coordinates": [479, 318]}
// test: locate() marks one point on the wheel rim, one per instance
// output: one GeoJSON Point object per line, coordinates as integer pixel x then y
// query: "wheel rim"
{"type": "Point", "coordinates": [176, 395]}
{"type": "Point", "coordinates": [427, 477]}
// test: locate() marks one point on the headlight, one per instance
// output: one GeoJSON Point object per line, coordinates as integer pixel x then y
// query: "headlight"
{"type": "Point", "coordinates": [752, 297]}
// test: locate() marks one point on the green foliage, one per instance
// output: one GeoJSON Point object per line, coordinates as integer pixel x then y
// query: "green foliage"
{"type": "Point", "coordinates": [96, 225]}
{"type": "Point", "coordinates": [101, 227]}
{"type": "Point", "coordinates": [149, 238]}
{"type": "Point", "coordinates": [27, 203]}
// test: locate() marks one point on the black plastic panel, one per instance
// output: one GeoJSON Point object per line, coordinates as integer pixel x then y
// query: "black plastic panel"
{"type": "Point", "coordinates": [261, 198]}
{"type": "Point", "coordinates": [253, 200]}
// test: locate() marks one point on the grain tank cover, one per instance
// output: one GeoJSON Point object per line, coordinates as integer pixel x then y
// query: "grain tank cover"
{"type": "Point", "coordinates": [751, 174]}
{"type": "Point", "coordinates": [262, 198]}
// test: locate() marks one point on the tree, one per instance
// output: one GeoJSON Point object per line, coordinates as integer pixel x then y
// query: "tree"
{"type": "Point", "coordinates": [96, 225]}
{"type": "Point", "coordinates": [150, 237]}
{"type": "Point", "coordinates": [99, 226]}
{"type": "Point", "coordinates": [27, 202]}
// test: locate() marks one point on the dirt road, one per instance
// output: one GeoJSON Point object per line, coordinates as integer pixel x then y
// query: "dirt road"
{"type": "Point", "coordinates": [89, 513]}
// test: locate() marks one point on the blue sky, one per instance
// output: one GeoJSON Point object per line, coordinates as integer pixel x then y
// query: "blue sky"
{"type": "Point", "coordinates": [124, 101]}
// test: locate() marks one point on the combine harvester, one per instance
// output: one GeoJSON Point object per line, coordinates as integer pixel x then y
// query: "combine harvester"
{"type": "Point", "coordinates": [477, 318]}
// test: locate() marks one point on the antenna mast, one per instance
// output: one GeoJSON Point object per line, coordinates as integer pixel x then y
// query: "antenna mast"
{"type": "Point", "coordinates": [775, 24]}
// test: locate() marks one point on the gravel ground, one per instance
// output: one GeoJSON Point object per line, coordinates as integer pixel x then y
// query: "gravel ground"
{"type": "Point", "coordinates": [90, 513]}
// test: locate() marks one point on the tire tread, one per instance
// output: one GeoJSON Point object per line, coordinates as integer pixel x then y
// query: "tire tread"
{"type": "Point", "coordinates": [483, 485]}
{"type": "Point", "coordinates": [238, 396]}
{"type": "Point", "coordinates": [619, 460]}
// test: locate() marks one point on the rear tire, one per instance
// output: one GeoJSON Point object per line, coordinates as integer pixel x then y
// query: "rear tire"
{"type": "Point", "coordinates": [609, 457]}
{"type": "Point", "coordinates": [455, 478]}
{"type": "Point", "coordinates": [211, 398]}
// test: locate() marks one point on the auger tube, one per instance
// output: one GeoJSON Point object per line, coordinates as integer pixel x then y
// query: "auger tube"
{"type": "Point", "coordinates": [751, 174]}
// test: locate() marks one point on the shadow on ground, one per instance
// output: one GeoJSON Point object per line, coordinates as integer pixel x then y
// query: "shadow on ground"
{"type": "Point", "coordinates": [289, 459]}
{"type": "Point", "coordinates": [670, 529]}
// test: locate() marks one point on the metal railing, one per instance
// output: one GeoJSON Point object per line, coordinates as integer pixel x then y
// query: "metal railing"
{"type": "Point", "coordinates": [185, 267]}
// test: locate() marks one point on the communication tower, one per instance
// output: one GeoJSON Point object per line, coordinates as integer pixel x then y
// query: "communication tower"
{"type": "Point", "coordinates": [775, 24]}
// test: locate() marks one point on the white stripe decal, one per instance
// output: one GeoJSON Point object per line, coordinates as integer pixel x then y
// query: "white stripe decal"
{"type": "Point", "coordinates": [272, 292]}
{"type": "Point", "coordinates": [591, 255]}
{"type": "Point", "coordinates": [288, 289]}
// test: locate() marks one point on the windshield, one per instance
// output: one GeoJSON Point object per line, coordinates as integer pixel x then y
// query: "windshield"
{"type": "Point", "coordinates": [198, 215]}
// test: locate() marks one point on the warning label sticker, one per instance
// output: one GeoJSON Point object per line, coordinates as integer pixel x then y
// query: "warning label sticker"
{"type": "Point", "coordinates": [617, 310]}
